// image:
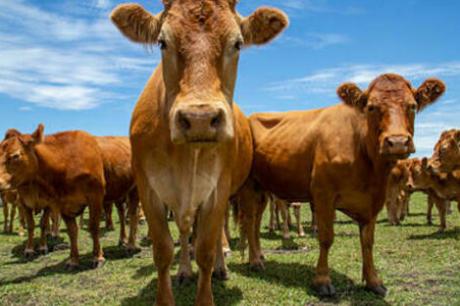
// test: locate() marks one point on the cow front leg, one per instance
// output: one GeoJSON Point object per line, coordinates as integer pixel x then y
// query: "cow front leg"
{"type": "Point", "coordinates": [44, 227]}
{"type": "Point", "coordinates": [285, 216]}
{"type": "Point", "coordinates": [55, 221]}
{"type": "Point", "coordinates": [22, 220]}
{"type": "Point", "coordinates": [429, 212]}
{"type": "Point", "coordinates": [314, 223]}
{"type": "Point", "coordinates": [373, 282]}
{"type": "Point", "coordinates": [108, 216]}
{"type": "Point", "coordinates": [441, 205]}
{"type": "Point", "coordinates": [29, 250]}
{"type": "Point", "coordinates": [297, 215]}
{"type": "Point", "coordinates": [72, 230]}
{"type": "Point", "coordinates": [324, 210]}
{"type": "Point", "coordinates": [220, 268]}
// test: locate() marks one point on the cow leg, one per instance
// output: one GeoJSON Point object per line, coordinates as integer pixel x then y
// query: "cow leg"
{"type": "Point", "coordinates": [134, 215]}
{"type": "Point", "coordinates": [277, 214]}
{"type": "Point", "coordinates": [22, 221]}
{"type": "Point", "coordinates": [29, 250]}
{"type": "Point", "coordinates": [285, 216]}
{"type": "Point", "coordinates": [162, 244]}
{"type": "Point", "coordinates": [95, 212]}
{"type": "Point", "coordinates": [429, 217]}
{"type": "Point", "coordinates": [44, 226]}
{"type": "Point", "coordinates": [108, 216]}
{"type": "Point", "coordinates": [210, 223]}
{"type": "Point", "coordinates": [72, 229]}
{"type": "Point", "coordinates": [120, 205]}
{"type": "Point", "coordinates": [82, 220]}
{"type": "Point", "coordinates": [258, 225]}
{"type": "Point", "coordinates": [373, 283]}
{"type": "Point", "coordinates": [6, 216]}
{"type": "Point", "coordinates": [220, 268]}
{"type": "Point", "coordinates": [441, 206]}
{"type": "Point", "coordinates": [12, 216]}
{"type": "Point", "coordinates": [314, 223]}
{"type": "Point", "coordinates": [271, 224]}
{"type": "Point", "coordinates": [325, 212]}
{"type": "Point", "coordinates": [226, 235]}
{"type": "Point", "coordinates": [56, 220]}
{"type": "Point", "coordinates": [297, 212]}
{"type": "Point", "coordinates": [185, 272]}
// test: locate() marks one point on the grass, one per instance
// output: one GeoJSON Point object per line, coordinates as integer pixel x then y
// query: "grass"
{"type": "Point", "coordinates": [419, 266]}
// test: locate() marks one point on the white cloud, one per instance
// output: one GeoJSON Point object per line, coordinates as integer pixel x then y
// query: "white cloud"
{"type": "Point", "coordinates": [326, 80]}
{"type": "Point", "coordinates": [57, 61]}
{"type": "Point", "coordinates": [317, 40]}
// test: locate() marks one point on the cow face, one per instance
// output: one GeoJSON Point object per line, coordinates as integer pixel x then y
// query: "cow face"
{"type": "Point", "coordinates": [18, 162]}
{"type": "Point", "coordinates": [446, 155]}
{"type": "Point", "coordinates": [419, 175]}
{"type": "Point", "coordinates": [200, 42]}
{"type": "Point", "coordinates": [390, 104]}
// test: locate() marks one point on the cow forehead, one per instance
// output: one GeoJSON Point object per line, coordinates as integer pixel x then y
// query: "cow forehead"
{"type": "Point", "coordinates": [390, 87]}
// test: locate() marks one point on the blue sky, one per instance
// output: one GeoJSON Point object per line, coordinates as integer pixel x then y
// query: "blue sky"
{"type": "Point", "coordinates": [64, 64]}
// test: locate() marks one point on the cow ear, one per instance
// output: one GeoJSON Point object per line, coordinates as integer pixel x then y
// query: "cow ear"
{"type": "Point", "coordinates": [38, 136]}
{"type": "Point", "coordinates": [136, 23]}
{"type": "Point", "coordinates": [429, 92]}
{"type": "Point", "coordinates": [263, 25]}
{"type": "Point", "coordinates": [352, 95]}
{"type": "Point", "coordinates": [11, 133]}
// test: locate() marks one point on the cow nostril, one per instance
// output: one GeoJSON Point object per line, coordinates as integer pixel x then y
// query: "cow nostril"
{"type": "Point", "coordinates": [388, 142]}
{"type": "Point", "coordinates": [184, 123]}
{"type": "Point", "coordinates": [408, 142]}
{"type": "Point", "coordinates": [216, 120]}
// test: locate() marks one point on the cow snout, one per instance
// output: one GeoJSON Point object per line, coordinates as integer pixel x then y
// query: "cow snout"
{"type": "Point", "coordinates": [398, 145]}
{"type": "Point", "coordinates": [199, 124]}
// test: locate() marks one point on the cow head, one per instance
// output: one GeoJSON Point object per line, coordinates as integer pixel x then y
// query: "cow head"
{"type": "Point", "coordinates": [446, 155]}
{"type": "Point", "coordinates": [200, 42]}
{"type": "Point", "coordinates": [390, 104]}
{"type": "Point", "coordinates": [18, 162]}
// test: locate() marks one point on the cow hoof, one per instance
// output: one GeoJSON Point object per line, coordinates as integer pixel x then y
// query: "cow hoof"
{"type": "Point", "coordinates": [221, 275]}
{"type": "Point", "coordinates": [141, 221]}
{"type": "Point", "coordinates": [29, 253]}
{"type": "Point", "coordinates": [257, 267]}
{"type": "Point", "coordinates": [380, 290]}
{"type": "Point", "coordinates": [327, 290]}
{"type": "Point", "coordinates": [227, 252]}
{"type": "Point", "coordinates": [122, 244]}
{"type": "Point", "coordinates": [183, 279]}
{"type": "Point", "coordinates": [98, 263]}
{"type": "Point", "coordinates": [302, 234]}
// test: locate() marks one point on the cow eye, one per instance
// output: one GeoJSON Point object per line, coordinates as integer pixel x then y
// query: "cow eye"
{"type": "Point", "coordinates": [372, 108]}
{"type": "Point", "coordinates": [162, 44]}
{"type": "Point", "coordinates": [14, 157]}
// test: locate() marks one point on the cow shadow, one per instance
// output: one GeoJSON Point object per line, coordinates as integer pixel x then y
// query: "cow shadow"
{"type": "Point", "coordinates": [54, 244]}
{"type": "Point", "coordinates": [453, 233]}
{"type": "Point", "coordinates": [184, 294]}
{"type": "Point", "coordinates": [301, 276]}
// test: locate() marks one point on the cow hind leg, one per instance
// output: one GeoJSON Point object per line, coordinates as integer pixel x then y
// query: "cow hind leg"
{"type": "Point", "coordinates": [441, 205]}
{"type": "Point", "coordinates": [220, 268]}
{"type": "Point", "coordinates": [134, 215]}
{"type": "Point", "coordinates": [6, 216]}
{"type": "Point", "coordinates": [108, 216]}
{"type": "Point", "coordinates": [44, 226]}
{"type": "Point", "coordinates": [429, 212]}
{"type": "Point", "coordinates": [120, 205]}
{"type": "Point", "coordinates": [95, 212]}
{"type": "Point", "coordinates": [297, 212]}
{"type": "Point", "coordinates": [285, 216]}
{"type": "Point", "coordinates": [373, 283]}
{"type": "Point", "coordinates": [12, 216]}
{"type": "Point", "coordinates": [185, 272]}
{"type": "Point", "coordinates": [29, 250]}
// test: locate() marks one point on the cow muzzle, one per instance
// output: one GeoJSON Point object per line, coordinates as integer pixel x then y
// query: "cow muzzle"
{"type": "Point", "coordinates": [398, 146]}
{"type": "Point", "coordinates": [200, 124]}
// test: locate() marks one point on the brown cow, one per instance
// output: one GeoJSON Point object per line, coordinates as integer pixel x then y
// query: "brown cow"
{"type": "Point", "coordinates": [63, 173]}
{"type": "Point", "coordinates": [441, 187]}
{"type": "Point", "coordinates": [397, 194]}
{"type": "Point", "coordinates": [341, 160]}
{"type": "Point", "coordinates": [11, 203]}
{"type": "Point", "coordinates": [120, 186]}
{"type": "Point", "coordinates": [192, 146]}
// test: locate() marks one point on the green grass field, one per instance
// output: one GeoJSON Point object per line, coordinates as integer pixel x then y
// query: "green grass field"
{"type": "Point", "coordinates": [418, 265]}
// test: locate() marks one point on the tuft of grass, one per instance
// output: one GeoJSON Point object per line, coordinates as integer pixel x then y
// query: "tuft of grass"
{"type": "Point", "coordinates": [418, 265]}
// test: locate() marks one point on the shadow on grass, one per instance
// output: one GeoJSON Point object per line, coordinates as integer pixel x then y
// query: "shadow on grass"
{"type": "Point", "coordinates": [185, 294]}
{"type": "Point", "coordinates": [54, 244]}
{"type": "Point", "coordinates": [110, 253]}
{"type": "Point", "coordinates": [453, 233]}
{"type": "Point", "coordinates": [301, 276]}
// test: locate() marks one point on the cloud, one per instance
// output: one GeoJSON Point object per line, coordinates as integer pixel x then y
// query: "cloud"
{"type": "Point", "coordinates": [326, 80]}
{"type": "Point", "coordinates": [316, 40]}
{"type": "Point", "coordinates": [62, 62]}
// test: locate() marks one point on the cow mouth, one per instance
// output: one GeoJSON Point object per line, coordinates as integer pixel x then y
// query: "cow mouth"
{"type": "Point", "coordinates": [396, 156]}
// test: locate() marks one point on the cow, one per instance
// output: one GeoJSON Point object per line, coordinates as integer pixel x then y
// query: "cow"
{"type": "Point", "coordinates": [192, 146]}
{"type": "Point", "coordinates": [441, 187]}
{"type": "Point", "coordinates": [63, 173]}
{"type": "Point", "coordinates": [397, 193]}
{"type": "Point", "coordinates": [340, 157]}
{"type": "Point", "coordinates": [120, 187]}
{"type": "Point", "coordinates": [11, 204]}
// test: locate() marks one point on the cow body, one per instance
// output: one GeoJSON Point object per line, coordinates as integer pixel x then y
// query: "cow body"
{"type": "Point", "coordinates": [339, 157]}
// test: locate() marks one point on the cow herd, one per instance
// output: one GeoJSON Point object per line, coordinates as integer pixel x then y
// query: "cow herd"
{"type": "Point", "coordinates": [192, 153]}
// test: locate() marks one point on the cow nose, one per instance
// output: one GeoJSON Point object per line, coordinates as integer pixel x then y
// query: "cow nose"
{"type": "Point", "coordinates": [400, 144]}
{"type": "Point", "coordinates": [199, 120]}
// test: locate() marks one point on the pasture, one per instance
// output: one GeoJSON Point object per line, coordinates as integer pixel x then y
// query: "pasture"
{"type": "Point", "coordinates": [419, 266]}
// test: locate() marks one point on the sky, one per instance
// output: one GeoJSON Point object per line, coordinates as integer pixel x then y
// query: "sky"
{"type": "Point", "coordinates": [64, 64]}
